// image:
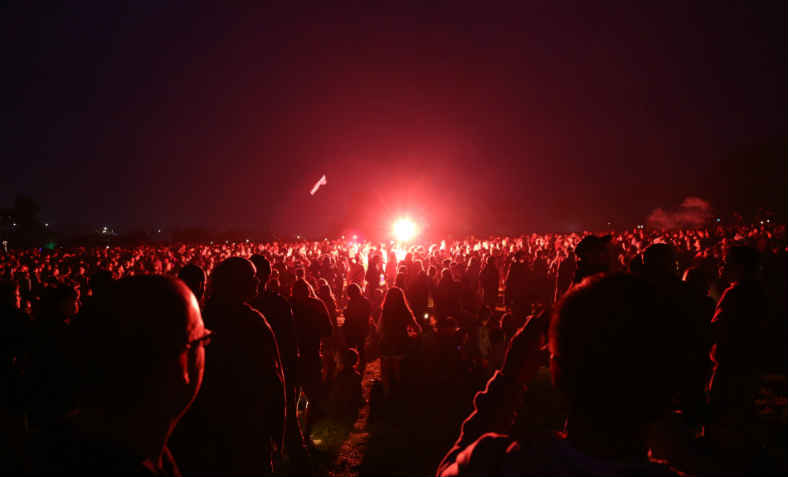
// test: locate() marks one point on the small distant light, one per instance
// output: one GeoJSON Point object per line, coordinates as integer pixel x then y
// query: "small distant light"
{"type": "Point", "coordinates": [761, 222]}
{"type": "Point", "coordinates": [355, 237]}
{"type": "Point", "coordinates": [767, 221]}
{"type": "Point", "coordinates": [426, 316]}
{"type": "Point", "coordinates": [159, 231]}
{"type": "Point", "coordinates": [46, 225]}
{"type": "Point", "coordinates": [247, 240]}
{"type": "Point", "coordinates": [718, 219]}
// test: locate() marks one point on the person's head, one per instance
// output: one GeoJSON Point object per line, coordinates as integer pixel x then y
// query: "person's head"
{"type": "Point", "coordinates": [400, 280]}
{"type": "Point", "coordinates": [194, 278]}
{"type": "Point", "coordinates": [659, 260]}
{"type": "Point", "coordinates": [697, 278]}
{"type": "Point", "coordinates": [636, 265]}
{"type": "Point", "coordinates": [142, 351]}
{"type": "Point", "coordinates": [60, 302]}
{"type": "Point", "coordinates": [263, 267]}
{"type": "Point", "coordinates": [395, 300]}
{"type": "Point", "coordinates": [302, 290]}
{"type": "Point", "coordinates": [432, 272]}
{"type": "Point", "coordinates": [615, 355]}
{"type": "Point", "coordinates": [348, 358]}
{"type": "Point", "coordinates": [233, 281]}
{"type": "Point", "coordinates": [446, 275]}
{"type": "Point", "coordinates": [274, 286]}
{"type": "Point", "coordinates": [100, 281]}
{"type": "Point", "coordinates": [324, 289]}
{"type": "Point", "coordinates": [10, 294]}
{"type": "Point", "coordinates": [353, 291]}
{"type": "Point", "coordinates": [740, 263]}
{"type": "Point", "coordinates": [596, 253]}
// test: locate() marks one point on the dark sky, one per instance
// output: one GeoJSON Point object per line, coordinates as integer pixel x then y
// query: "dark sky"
{"type": "Point", "coordinates": [483, 119]}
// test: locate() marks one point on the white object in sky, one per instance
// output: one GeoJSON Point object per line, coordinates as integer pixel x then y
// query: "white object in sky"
{"type": "Point", "coordinates": [317, 185]}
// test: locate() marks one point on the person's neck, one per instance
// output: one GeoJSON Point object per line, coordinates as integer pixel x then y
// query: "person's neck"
{"type": "Point", "coordinates": [611, 438]}
{"type": "Point", "coordinates": [144, 437]}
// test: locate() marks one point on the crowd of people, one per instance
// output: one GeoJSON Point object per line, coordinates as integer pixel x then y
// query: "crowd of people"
{"type": "Point", "coordinates": [105, 368]}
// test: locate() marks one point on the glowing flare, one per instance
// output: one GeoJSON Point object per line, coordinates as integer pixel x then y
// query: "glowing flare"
{"type": "Point", "coordinates": [405, 229]}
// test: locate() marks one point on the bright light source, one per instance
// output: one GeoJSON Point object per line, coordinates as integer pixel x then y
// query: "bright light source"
{"type": "Point", "coordinates": [405, 229]}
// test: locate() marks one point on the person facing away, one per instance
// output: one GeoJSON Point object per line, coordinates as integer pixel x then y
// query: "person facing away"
{"type": "Point", "coordinates": [594, 255]}
{"type": "Point", "coordinates": [516, 290]}
{"type": "Point", "coordinates": [356, 327]}
{"type": "Point", "coordinates": [142, 359]}
{"type": "Point", "coordinates": [660, 269]}
{"type": "Point", "coordinates": [490, 279]}
{"type": "Point", "coordinates": [610, 360]}
{"type": "Point", "coordinates": [14, 353]}
{"type": "Point", "coordinates": [48, 378]}
{"type": "Point", "coordinates": [395, 341]}
{"type": "Point", "coordinates": [736, 334]}
{"type": "Point", "coordinates": [194, 278]}
{"type": "Point", "coordinates": [447, 297]}
{"type": "Point", "coordinates": [345, 396]}
{"type": "Point", "coordinates": [279, 315]}
{"type": "Point", "coordinates": [314, 325]}
{"type": "Point", "coordinates": [237, 424]}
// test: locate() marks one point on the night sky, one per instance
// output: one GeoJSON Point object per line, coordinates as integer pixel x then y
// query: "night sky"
{"type": "Point", "coordinates": [546, 118]}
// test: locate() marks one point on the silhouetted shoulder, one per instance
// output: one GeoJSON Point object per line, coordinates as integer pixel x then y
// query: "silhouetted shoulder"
{"type": "Point", "coordinates": [500, 454]}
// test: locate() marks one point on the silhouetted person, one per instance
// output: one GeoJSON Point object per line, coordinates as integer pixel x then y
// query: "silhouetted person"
{"type": "Point", "coordinates": [736, 330]}
{"type": "Point", "coordinates": [447, 297]}
{"type": "Point", "coordinates": [237, 423]}
{"type": "Point", "coordinates": [566, 273]}
{"type": "Point", "coordinates": [610, 361]}
{"type": "Point", "coordinates": [100, 282]}
{"type": "Point", "coordinates": [516, 289]}
{"type": "Point", "coordinates": [14, 352]}
{"type": "Point", "coordinates": [594, 255]}
{"type": "Point", "coordinates": [418, 291]}
{"type": "Point", "coordinates": [279, 315]}
{"type": "Point", "coordinates": [49, 376]}
{"type": "Point", "coordinates": [345, 397]}
{"type": "Point", "coordinates": [373, 274]}
{"type": "Point", "coordinates": [395, 343]}
{"type": "Point", "coordinates": [194, 278]}
{"type": "Point", "coordinates": [356, 327]}
{"type": "Point", "coordinates": [490, 281]}
{"type": "Point", "coordinates": [142, 360]}
{"type": "Point", "coordinates": [314, 325]}
{"type": "Point", "coordinates": [660, 268]}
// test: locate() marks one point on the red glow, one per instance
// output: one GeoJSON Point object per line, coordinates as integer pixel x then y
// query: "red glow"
{"type": "Point", "coordinates": [404, 229]}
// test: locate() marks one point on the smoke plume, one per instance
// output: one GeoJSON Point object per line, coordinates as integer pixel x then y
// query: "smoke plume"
{"type": "Point", "coordinates": [693, 212]}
